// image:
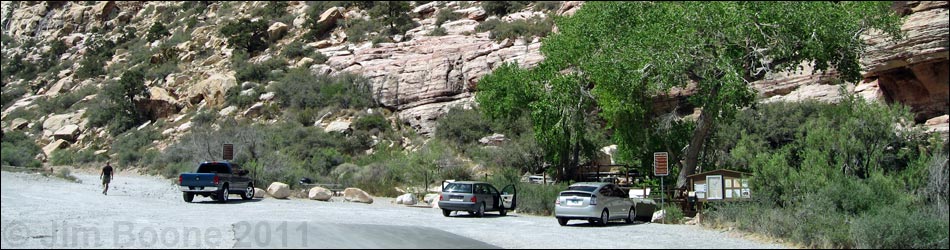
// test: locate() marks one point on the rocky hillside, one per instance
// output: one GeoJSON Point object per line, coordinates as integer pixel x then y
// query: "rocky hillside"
{"type": "Point", "coordinates": [417, 74]}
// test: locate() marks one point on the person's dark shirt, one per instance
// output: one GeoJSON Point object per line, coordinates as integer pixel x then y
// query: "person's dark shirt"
{"type": "Point", "coordinates": [107, 171]}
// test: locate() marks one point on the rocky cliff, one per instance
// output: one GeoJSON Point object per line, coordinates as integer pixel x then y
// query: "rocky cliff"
{"type": "Point", "coordinates": [418, 78]}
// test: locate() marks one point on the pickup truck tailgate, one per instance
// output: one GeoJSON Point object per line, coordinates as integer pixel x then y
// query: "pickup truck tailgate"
{"type": "Point", "coordinates": [197, 180]}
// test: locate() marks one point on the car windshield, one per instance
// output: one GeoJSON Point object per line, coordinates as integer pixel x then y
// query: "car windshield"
{"type": "Point", "coordinates": [582, 188]}
{"type": "Point", "coordinates": [458, 188]}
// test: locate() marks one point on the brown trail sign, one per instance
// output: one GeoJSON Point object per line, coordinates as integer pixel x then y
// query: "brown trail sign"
{"type": "Point", "coordinates": [228, 152]}
{"type": "Point", "coordinates": [660, 164]}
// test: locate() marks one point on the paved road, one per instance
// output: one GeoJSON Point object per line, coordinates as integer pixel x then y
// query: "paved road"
{"type": "Point", "coordinates": [145, 211]}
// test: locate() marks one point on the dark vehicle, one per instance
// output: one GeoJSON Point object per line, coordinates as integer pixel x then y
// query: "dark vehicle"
{"type": "Point", "coordinates": [477, 198]}
{"type": "Point", "coordinates": [217, 180]}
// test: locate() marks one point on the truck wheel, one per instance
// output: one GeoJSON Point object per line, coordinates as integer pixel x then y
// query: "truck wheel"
{"type": "Point", "coordinates": [188, 196]}
{"type": "Point", "coordinates": [223, 194]}
{"type": "Point", "coordinates": [248, 192]}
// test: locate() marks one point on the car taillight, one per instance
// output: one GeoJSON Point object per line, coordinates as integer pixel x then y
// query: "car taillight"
{"type": "Point", "coordinates": [557, 201]}
{"type": "Point", "coordinates": [440, 197]}
{"type": "Point", "coordinates": [216, 180]}
{"type": "Point", "coordinates": [593, 200]}
{"type": "Point", "coordinates": [473, 199]}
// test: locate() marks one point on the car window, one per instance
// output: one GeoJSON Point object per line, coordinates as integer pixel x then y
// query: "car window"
{"type": "Point", "coordinates": [582, 188]}
{"type": "Point", "coordinates": [619, 192]}
{"type": "Point", "coordinates": [606, 191]}
{"type": "Point", "coordinates": [458, 188]}
{"type": "Point", "coordinates": [492, 190]}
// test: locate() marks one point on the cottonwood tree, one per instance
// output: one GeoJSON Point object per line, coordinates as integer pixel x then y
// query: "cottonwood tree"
{"type": "Point", "coordinates": [626, 53]}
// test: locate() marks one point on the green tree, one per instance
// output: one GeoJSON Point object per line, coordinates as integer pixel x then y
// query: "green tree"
{"type": "Point", "coordinates": [246, 35]}
{"type": "Point", "coordinates": [633, 51]}
{"type": "Point", "coordinates": [395, 14]}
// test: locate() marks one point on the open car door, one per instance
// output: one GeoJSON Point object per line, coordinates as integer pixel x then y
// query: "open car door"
{"type": "Point", "coordinates": [509, 197]}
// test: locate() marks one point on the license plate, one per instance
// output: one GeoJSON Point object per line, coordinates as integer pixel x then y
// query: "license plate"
{"type": "Point", "coordinates": [455, 199]}
{"type": "Point", "coordinates": [574, 202]}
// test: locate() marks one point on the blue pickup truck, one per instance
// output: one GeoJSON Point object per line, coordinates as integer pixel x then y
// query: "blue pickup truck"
{"type": "Point", "coordinates": [217, 180]}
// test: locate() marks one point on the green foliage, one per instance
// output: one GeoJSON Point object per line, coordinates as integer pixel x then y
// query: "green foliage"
{"type": "Point", "coordinates": [272, 10]}
{"type": "Point", "coordinates": [393, 14]}
{"type": "Point", "coordinates": [524, 29]}
{"type": "Point", "coordinates": [235, 98]}
{"type": "Point", "coordinates": [462, 127]}
{"type": "Point", "coordinates": [546, 5]}
{"type": "Point", "coordinates": [156, 31]}
{"type": "Point", "coordinates": [897, 228]}
{"type": "Point", "coordinates": [446, 15]}
{"type": "Point", "coordinates": [115, 107]}
{"type": "Point", "coordinates": [93, 63]}
{"type": "Point", "coordinates": [296, 49]}
{"type": "Point", "coordinates": [19, 150]}
{"type": "Point", "coordinates": [438, 31]}
{"type": "Point", "coordinates": [243, 34]}
{"type": "Point", "coordinates": [62, 102]}
{"type": "Point", "coordinates": [10, 94]}
{"type": "Point", "coordinates": [248, 71]}
{"type": "Point", "coordinates": [71, 156]}
{"type": "Point", "coordinates": [372, 121]}
{"type": "Point", "coordinates": [358, 29]}
{"type": "Point", "coordinates": [501, 8]}
{"type": "Point", "coordinates": [299, 89]}
{"type": "Point", "coordinates": [674, 215]}
{"type": "Point", "coordinates": [135, 148]}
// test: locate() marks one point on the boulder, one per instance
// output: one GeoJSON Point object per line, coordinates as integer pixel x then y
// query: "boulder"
{"type": "Point", "coordinates": [328, 19]}
{"type": "Point", "coordinates": [494, 139]}
{"type": "Point", "coordinates": [304, 62]}
{"type": "Point", "coordinates": [320, 194]}
{"type": "Point", "coordinates": [338, 126]}
{"type": "Point", "coordinates": [279, 190]}
{"type": "Point", "coordinates": [68, 133]}
{"type": "Point", "coordinates": [406, 199]}
{"type": "Point", "coordinates": [658, 216]}
{"type": "Point", "coordinates": [431, 199]}
{"type": "Point", "coordinates": [254, 110]}
{"type": "Point", "coordinates": [212, 90]}
{"type": "Point", "coordinates": [276, 31]}
{"type": "Point", "coordinates": [227, 111]}
{"type": "Point", "coordinates": [160, 104]}
{"type": "Point", "coordinates": [19, 123]}
{"type": "Point", "coordinates": [357, 195]}
{"type": "Point", "coordinates": [52, 147]}
{"type": "Point", "coordinates": [259, 193]}
{"type": "Point", "coordinates": [267, 96]}
{"type": "Point", "coordinates": [56, 122]}
{"type": "Point", "coordinates": [424, 9]}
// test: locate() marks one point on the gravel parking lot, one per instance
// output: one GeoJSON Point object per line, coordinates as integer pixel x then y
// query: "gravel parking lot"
{"type": "Point", "coordinates": [146, 211]}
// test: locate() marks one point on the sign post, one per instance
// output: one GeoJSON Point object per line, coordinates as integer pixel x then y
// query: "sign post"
{"type": "Point", "coordinates": [228, 152]}
{"type": "Point", "coordinates": [661, 169]}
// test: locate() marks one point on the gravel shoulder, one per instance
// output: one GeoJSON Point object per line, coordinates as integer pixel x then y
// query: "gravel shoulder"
{"type": "Point", "coordinates": [148, 212]}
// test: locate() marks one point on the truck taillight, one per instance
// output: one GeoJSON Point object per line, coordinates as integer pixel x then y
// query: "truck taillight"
{"type": "Point", "coordinates": [473, 199]}
{"type": "Point", "coordinates": [216, 180]}
{"type": "Point", "coordinates": [179, 180]}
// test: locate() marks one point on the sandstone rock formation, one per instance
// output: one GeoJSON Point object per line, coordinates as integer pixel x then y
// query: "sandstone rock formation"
{"type": "Point", "coordinates": [320, 194]}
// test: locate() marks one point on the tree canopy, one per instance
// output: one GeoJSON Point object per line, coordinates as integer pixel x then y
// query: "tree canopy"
{"type": "Point", "coordinates": [620, 55]}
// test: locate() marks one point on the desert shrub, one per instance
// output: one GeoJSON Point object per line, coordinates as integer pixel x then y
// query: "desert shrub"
{"type": "Point", "coordinates": [462, 126]}
{"type": "Point", "coordinates": [674, 215]}
{"type": "Point", "coordinates": [156, 31]}
{"type": "Point", "coordinates": [255, 72]}
{"type": "Point", "coordinates": [546, 5]}
{"type": "Point", "coordinates": [19, 150]}
{"type": "Point", "coordinates": [72, 156]}
{"type": "Point", "coordinates": [897, 228]}
{"type": "Point", "coordinates": [246, 35]}
{"type": "Point", "coordinates": [133, 147]}
{"type": "Point", "coordinates": [372, 121]}
{"type": "Point", "coordinates": [501, 8]}
{"type": "Point", "coordinates": [272, 10]}
{"type": "Point", "coordinates": [234, 97]}
{"type": "Point", "coordinates": [524, 29]}
{"type": "Point", "coordinates": [296, 49]}
{"type": "Point", "coordinates": [438, 31]}
{"type": "Point", "coordinates": [359, 30]}
{"type": "Point", "coordinates": [300, 89]}
{"type": "Point", "coordinates": [10, 94]}
{"type": "Point", "coordinates": [446, 15]}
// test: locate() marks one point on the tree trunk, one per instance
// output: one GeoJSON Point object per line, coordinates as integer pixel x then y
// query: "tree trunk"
{"type": "Point", "coordinates": [704, 125]}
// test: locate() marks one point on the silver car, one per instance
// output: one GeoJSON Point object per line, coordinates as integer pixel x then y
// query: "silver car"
{"type": "Point", "coordinates": [596, 202]}
{"type": "Point", "coordinates": [476, 198]}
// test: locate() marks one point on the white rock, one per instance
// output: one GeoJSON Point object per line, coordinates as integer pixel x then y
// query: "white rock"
{"type": "Point", "coordinates": [357, 195]}
{"type": "Point", "coordinates": [279, 190]}
{"type": "Point", "coordinates": [267, 96]}
{"type": "Point", "coordinates": [259, 193]}
{"type": "Point", "coordinates": [183, 127]}
{"type": "Point", "coordinates": [320, 194]}
{"type": "Point", "coordinates": [276, 31]}
{"type": "Point", "coordinates": [227, 111]}
{"type": "Point", "coordinates": [254, 110]}
{"type": "Point", "coordinates": [68, 133]}
{"type": "Point", "coordinates": [52, 147]}
{"type": "Point", "coordinates": [406, 199]}
{"type": "Point", "coordinates": [338, 126]}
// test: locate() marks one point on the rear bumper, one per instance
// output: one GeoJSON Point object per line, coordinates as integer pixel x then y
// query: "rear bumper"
{"type": "Point", "coordinates": [188, 189]}
{"type": "Point", "coordinates": [458, 206]}
{"type": "Point", "coordinates": [584, 212]}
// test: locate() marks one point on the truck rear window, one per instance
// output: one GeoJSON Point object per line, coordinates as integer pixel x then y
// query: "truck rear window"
{"type": "Point", "coordinates": [214, 168]}
{"type": "Point", "coordinates": [458, 188]}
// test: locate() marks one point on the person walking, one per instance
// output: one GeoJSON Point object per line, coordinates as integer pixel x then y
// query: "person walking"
{"type": "Point", "coordinates": [106, 177]}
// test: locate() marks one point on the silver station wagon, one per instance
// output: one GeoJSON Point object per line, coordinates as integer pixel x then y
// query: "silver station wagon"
{"type": "Point", "coordinates": [476, 198]}
{"type": "Point", "coordinates": [596, 202]}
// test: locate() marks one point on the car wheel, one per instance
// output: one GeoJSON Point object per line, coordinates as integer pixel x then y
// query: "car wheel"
{"type": "Point", "coordinates": [562, 221]}
{"type": "Point", "coordinates": [223, 196]}
{"type": "Point", "coordinates": [604, 217]}
{"type": "Point", "coordinates": [481, 210]}
{"type": "Point", "coordinates": [630, 217]}
{"type": "Point", "coordinates": [446, 212]}
{"type": "Point", "coordinates": [248, 193]}
{"type": "Point", "coordinates": [189, 197]}
{"type": "Point", "coordinates": [503, 212]}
